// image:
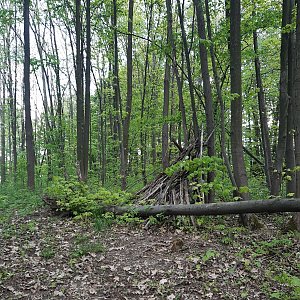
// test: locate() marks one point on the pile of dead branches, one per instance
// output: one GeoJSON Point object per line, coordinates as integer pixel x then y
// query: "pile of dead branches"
{"type": "Point", "coordinates": [173, 189]}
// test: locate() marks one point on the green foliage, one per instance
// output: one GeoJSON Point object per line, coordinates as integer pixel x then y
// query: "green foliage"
{"type": "Point", "coordinates": [74, 196]}
{"type": "Point", "coordinates": [4, 274]}
{"type": "Point", "coordinates": [83, 246]}
{"type": "Point", "coordinates": [275, 246]}
{"type": "Point", "coordinates": [103, 221]}
{"type": "Point", "coordinates": [129, 218]}
{"type": "Point", "coordinates": [17, 200]}
{"type": "Point", "coordinates": [293, 282]}
{"type": "Point", "coordinates": [197, 170]}
{"type": "Point", "coordinates": [47, 252]}
{"type": "Point", "coordinates": [209, 254]}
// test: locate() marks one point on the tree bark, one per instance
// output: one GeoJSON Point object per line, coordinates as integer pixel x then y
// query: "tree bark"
{"type": "Point", "coordinates": [167, 76]}
{"type": "Point", "coordinates": [79, 93]}
{"type": "Point", "coordinates": [30, 154]}
{"type": "Point", "coordinates": [189, 74]}
{"type": "Point", "coordinates": [126, 123]}
{"type": "Point", "coordinates": [211, 209]}
{"type": "Point", "coordinates": [290, 152]}
{"type": "Point", "coordinates": [3, 137]}
{"type": "Point", "coordinates": [239, 169]}
{"type": "Point", "coordinates": [220, 98]}
{"type": "Point", "coordinates": [143, 133]}
{"type": "Point", "coordinates": [297, 112]}
{"type": "Point", "coordinates": [209, 111]}
{"type": "Point", "coordinates": [263, 115]}
{"type": "Point", "coordinates": [87, 103]}
{"type": "Point", "coordinates": [60, 136]}
{"type": "Point", "coordinates": [283, 103]}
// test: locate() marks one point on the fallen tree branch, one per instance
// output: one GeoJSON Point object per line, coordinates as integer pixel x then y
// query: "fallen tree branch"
{"type": "Point", "coordinates": [222, 208]}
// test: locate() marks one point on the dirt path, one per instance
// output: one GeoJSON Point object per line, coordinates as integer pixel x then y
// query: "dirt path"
{"type": "Point", "coordinates": [47, 257]}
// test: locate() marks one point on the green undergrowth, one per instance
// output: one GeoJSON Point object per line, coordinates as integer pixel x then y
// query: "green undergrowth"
{"type": "Point", "coordinates": [14, 200]}
{"type": "Point", "coordinates": [81, 201]}
{"type": "Point", "coordinates": [84, 245]}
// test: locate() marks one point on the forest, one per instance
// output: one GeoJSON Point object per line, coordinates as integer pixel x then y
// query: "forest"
{"type": "Point", "coordinates": [150, 149]}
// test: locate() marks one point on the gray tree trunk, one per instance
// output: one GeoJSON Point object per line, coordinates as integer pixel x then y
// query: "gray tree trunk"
{"type": "Point", "coordinates": [211, 209]}
{"type": "Point", "coordinates": [239, 169]}
{"type": "Point", "coordinates": [30, 153]}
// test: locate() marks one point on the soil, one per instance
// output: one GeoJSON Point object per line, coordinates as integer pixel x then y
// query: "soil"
{"type": "Point", "coordinates": [49, 257]}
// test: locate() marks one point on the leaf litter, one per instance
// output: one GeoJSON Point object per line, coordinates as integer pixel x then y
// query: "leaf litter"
{"type": "Point", "coordinates": [47, 257]}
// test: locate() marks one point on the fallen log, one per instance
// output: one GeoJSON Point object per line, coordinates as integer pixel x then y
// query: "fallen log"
{"type": "Point", "coordinates": [222, 208]}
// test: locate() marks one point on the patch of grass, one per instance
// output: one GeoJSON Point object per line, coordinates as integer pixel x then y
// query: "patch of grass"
{"type": "Point", "coordinates": [81, 239]}
{"type": "Point", "coordinates": [9, 231]}
{"type": "Point", "coordinates": [227, 240]}
{"type": "Point", "coordinates": [85, 249]}
{"type": "Point", "coordinates": [103, 222]}
{"type": "Point", "coordinates": [28, 227]}
{"type": "Point", "coordinates": [20, 200]}
{"type": "Point", "coordinates": [275, 246]}
{"type": "Point", "coordinates": [209, 254]}
{"type": "Point", "coordinates": [4, 274]}
{"type": "Point", "coordinates": [293, 282]}
{"type": "Point", "coordinates": [48, 252]}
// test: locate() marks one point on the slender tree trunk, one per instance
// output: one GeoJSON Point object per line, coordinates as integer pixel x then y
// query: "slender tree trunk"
{"type": "Point", "coordinates": [290, 152]}
{"type": "Point", "coordinates": [101, 120]}
{"type": "Point", "coordinates": [12, 100]}
{"type": "Point", "coordinates": [154, 103]}
{"type": "Point", "coordinates": [79, 93]}
{"type": "Point", "coordinates": [220, 98]}
{"type": "Point", "coordinates": [126, 123]}
{"type": "Point", "coordinates": [178, 79]}
{"type": "Point", "coordinates": [143, 134]}
{"type": "Point", "coordinates": [87, 110]}
{"type": "Point", "coordinates": [263, 115]}
{"type": "Point", "coordinates": [30, 154]}
{"type": "Point", "coordinates": [60, 139]}
{"type": "Point", "coordinates": [283, 103]}
{"type": "Point", "coordinates": [297, 112]}
{"type": "Point", "coordinates": [239, 169]}
{"type": "Point", "coordinates": [3, 137]}
{"type": "Point", "coordinates": [189, 73]}
{"type": "Point", "coordinates": [116, 86]}
{"type": "Point", "coordinates": [209, 111]}
{"type": "Point", "coordinates": [165, 129]}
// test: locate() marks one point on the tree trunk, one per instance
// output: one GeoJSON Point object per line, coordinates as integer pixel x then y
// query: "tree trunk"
{"type": "Point", "coordinates": [126, 124]}
{"type": "Point", "coordinates": [263, 115]}
{"type": "Point", "coordinates": [297, 113]}
{"type": "Point", "coordinates": [178, 79]}
{"type": "Point", "coordinates": [239, 169]}
{"type": "Point", "coordinates": [60, 138]}
{"type": "Point", "coordinates": [143, 134]}
{"type": "Point", "coordinates": [209, 112]}
{"type": "Point", "coordinates": [283, 103]}
{"type": "Point", "coordinates": [116, 87]}
{"type": "Point", "coordinates": [87, 109]}
{"type": "Point", "coordinates": [79, 93]}
{"type": "Point", "coordinates": [220, 98]}
{"type": "Point", "coordinates": [290, 152]}
{"type": "Point", "coordinates": [12, 106]}
{"type": "Point", "coordinates": [189, 74]}
{"type": "Point", "coordinates": [3, 137]}
{"type": "Point", "coordinates": [167, 76]}
{"type": "Point", "coordinates": [211, 209]}
{"type": "Point", "coordinates": [165, 128]}
{"type": "Point", "coordinates": [30, 154]}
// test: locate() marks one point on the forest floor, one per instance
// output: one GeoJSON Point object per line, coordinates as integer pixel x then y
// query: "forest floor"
{"type": "Point", "coordinates": [43, 256]}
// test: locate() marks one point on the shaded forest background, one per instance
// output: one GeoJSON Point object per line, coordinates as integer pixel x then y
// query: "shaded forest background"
{"type": "Point", "coordinates": [118, 89]}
